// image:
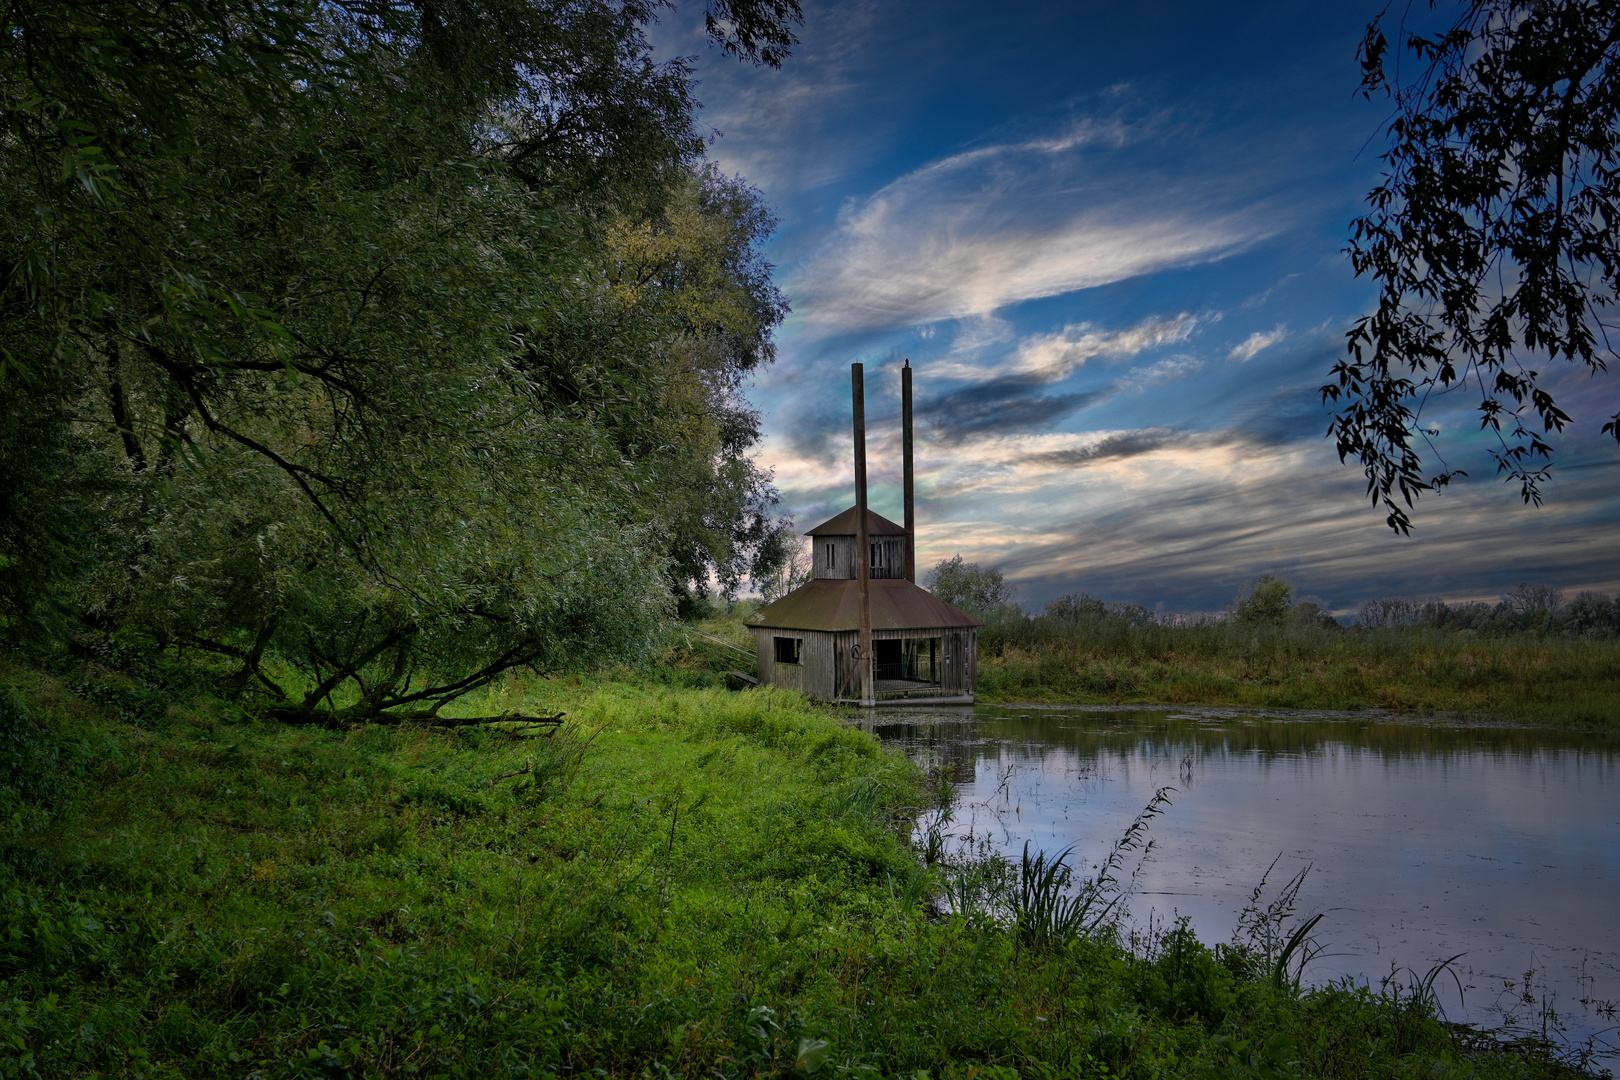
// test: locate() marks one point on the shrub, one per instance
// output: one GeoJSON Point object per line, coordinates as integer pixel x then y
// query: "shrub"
{"type": "Point", "coordinates": [1268, 601]}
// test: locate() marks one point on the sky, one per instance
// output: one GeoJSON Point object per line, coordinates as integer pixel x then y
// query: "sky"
{"type": "Point", "coordinates": [1109, 239]}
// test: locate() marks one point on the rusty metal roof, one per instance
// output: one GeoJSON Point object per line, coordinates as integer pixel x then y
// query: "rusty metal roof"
{"type": "Point", "coordinates": [844, 525]}
{"type": "Point", "coordinates": [835, 604]}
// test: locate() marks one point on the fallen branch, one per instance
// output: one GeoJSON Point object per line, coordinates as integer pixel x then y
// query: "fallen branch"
{"type": "Point", "coordinates": [297, 717]}
{"type": "Point", "coordinates": [548, 723]}
{"type": "Point", "coordinates": [528, 767]}
{"type": "Point", "coordinates": [504, 718]}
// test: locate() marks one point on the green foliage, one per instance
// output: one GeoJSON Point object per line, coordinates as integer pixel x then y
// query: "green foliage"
{"type": "Point", "coordinates": [1525, 610]}
{"type": "Point", "coordinates": [1072, 610]}
{"type": "Point", "coordinates": [704, 884]}
{"type": "Point", "coordinates": [43, 514]}
{"type": "Point", "coordinates": [36, 768]}
{"type": "Point", "coordinates": [1268, 601]}
{"type": "Point", "coordinates": [979, 591]}
{"type": "Point", "coordinates": [695, 278]}
{"type": "Point", "coordinates": [1593, 615]}
{"type": "Point", "coordinates": [401, 344]}
{"type": "Point", "coordinates": [1187, 981]}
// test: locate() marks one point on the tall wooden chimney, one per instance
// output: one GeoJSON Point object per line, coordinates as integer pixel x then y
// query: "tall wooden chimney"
{"type": "Point", "coordinates": [905, 444]}
{"type": "Point", "coordinates": [863, 551]}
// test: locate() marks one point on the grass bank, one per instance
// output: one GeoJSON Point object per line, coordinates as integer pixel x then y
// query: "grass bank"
{"type": "Point", "coordinates": [680, 883]}
{"type": "Point", "coordinates": [1552, 681]}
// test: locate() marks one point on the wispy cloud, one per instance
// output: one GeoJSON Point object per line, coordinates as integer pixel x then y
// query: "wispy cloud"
{"type": "Point", "coordinates": [1125, 444]}
{"type": "Point", "coordinates": [971, 233]}
{"type": "Point", "coordinates": [806, 125]}
{"type": "Point", "coordinates": [1170, 369]}
{"type": "Point", "coordinates": [1255, 342]}
{"type": "Point", "coordinates": [943, 199]}
{"type": "Point", "coordinates": [1052, 357]}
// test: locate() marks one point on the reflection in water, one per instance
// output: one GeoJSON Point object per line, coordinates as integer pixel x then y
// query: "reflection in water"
{"type": "Point", "coordinates": [1424, 840]}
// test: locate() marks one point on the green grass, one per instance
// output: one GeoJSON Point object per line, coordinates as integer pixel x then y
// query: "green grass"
{"type": "Point", "coordinates": [684, 882]}
{"type": "Point", "coordinates": [1526, 679]}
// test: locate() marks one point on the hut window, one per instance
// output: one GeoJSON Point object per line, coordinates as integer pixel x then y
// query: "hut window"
{"type": "Point", "coordinates": [877, 556]}
{"type": "Point", "coordinates": [832, 556]}
{"type": "Point", "coordinates": [787, 650]}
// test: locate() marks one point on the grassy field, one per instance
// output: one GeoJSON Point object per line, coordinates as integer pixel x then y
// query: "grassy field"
{"type": "Point", "coordinates": [1563, 682]}
{"type": "Point", "coordinates": [1526, 679]}
{"type": "Point", "coordinates": [682, 882]}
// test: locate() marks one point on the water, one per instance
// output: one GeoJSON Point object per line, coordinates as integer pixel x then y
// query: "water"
{"type": "Point", "coordinates": [1423, 841]}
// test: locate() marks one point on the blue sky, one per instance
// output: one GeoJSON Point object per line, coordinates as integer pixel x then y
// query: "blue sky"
{"type": "Point", "coordinates": [1109, 238]}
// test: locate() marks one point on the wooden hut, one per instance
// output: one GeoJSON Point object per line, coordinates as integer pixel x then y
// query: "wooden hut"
{"type": "Point", "coordinates": [861, 631]}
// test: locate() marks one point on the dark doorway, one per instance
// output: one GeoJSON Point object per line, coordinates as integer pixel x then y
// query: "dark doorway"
{"type": "Point", "coordinates": [887, 660]}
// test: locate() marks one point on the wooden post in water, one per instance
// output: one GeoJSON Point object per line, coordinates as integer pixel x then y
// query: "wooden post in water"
{"type": "Point", "coordinates": [863, 552]}
{"type": "Point", "coordinates": [905, 445]}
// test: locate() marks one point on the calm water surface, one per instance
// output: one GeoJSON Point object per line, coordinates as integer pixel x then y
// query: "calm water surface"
{"type": "Point", "coordinates": [1423, 841]}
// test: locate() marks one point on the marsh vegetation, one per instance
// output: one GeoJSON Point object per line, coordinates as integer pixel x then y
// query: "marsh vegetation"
{"type": "Point", "coordinates": [1529, 658]}
{"type": "Point", "coordinates": [1527, 678]}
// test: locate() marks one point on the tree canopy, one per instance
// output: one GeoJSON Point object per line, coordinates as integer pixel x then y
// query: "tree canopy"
{"type": "Point", "coordinates": [1268, 599]}
{"type": "Point", "coordinates": [981, 591]}
{"type": "Point", "coordinates": [400, 342]}
{"type": "Point", "coordinates": [1491, 238]}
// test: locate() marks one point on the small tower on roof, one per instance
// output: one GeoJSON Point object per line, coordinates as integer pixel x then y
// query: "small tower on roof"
{"type": "Point", "coordinates": [834, 543]}
{"type": "Point", "coordinates": [920, 649]}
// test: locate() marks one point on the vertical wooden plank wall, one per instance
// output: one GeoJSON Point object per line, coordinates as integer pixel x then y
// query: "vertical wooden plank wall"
{"type": "Point", "coordinates": [827, 671]}
{"type": "Point", "coordinates": [816, 672]}
{"type": "Point", "coordinates": [764, 659]}
{"type": "Point", "coordinates": [894, 557]}
{"type": "Point", "coordinates": [819, 668]}
{"type": "Point", "coordinates": [972, 684]}
{"type": "Point", "coordinates": [843, 561]}
{"type": "Point", "coordinates": [961, 671]}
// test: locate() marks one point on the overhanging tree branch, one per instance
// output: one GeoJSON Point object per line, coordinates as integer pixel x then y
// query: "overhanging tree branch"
{"type": "Point", "coordinates": [1492, 237]}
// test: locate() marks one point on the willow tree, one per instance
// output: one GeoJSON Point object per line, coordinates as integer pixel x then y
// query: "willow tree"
{"type": "Point", "coordinates": [331, 302]}
{"type": "Point", "coordinates": [1492, 239]}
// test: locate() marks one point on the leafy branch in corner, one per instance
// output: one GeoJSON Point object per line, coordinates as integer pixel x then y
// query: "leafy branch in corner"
{"type": "Point", "coordinates": [1491, 238]}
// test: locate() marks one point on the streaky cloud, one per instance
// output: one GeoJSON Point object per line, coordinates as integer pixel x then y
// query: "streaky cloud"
{"type": "Point", "coordinates": [1110, 447]}
{"type": "Point", "coordinates": [974, 232]}
{"type": "Point", "coordinates": [1002, 407]}
{"type": "Point", "coordinates": [1055, 356]}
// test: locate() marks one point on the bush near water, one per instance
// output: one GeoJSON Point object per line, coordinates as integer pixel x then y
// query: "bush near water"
{"type": "Point", "coordinates": [681, 882]}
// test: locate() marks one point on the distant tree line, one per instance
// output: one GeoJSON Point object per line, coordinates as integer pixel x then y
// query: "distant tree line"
{"type": "Point", "coordinates": [1268, 601]}
{"type": "Point", "coordinates": [1525, 609]}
